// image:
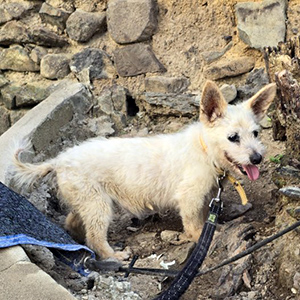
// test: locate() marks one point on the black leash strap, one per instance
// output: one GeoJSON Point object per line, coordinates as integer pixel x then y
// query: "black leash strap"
{"type": "Point", "coordinates": [106, 266]}
{"type": "Point", "coordinates": [185, 277]}
{"type": "Point", "coordinates": [253, 248]}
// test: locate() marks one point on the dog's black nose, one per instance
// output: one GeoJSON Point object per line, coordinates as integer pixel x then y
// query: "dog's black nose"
{"type": "Point", "coordinates": [255, 158]}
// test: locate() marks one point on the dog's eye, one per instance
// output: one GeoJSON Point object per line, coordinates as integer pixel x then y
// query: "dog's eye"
{"type": "Point", "coordinates": [255, 133]}
{"type": "Point", "coordinates": [234, 138]}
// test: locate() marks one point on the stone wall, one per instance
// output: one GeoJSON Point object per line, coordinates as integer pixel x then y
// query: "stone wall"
{"type": "Point", "coordinates": [152, 49]}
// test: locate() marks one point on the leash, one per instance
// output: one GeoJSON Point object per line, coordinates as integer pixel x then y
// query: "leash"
{"type": "Point", "coordinates": [185, 277]}
{"type": "Point", "coordinates": [95, 265]}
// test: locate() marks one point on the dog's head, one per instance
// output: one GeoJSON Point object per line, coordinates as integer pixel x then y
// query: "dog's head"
{"type": "Point", "coordinates": [232, 131]}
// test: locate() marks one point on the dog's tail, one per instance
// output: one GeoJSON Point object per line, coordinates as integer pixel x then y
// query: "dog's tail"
{"type": "Point", "coordinates": [27, 173]}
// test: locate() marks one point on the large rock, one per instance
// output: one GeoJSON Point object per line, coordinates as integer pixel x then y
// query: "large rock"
{"type": "Point", "coordinates": [37, 53]}
{"type": "Point", "coordinates": [17, 33]}
{"type": "Point", "coordinates": [55, 66]}
{"type": "Point", "coordinates": [93, 61]}
{"type": "Point", "coordinates": [54, 16]}
{"type": "Point", "coordinates": [14, 33]}
{"type": "Point", "coordinates": [81, 25]}
{"type": "Point", "coordinates": [113, 103]}
{"type": "Point", "coordinates": [137, 59]}
{"type": "Point", "coordinates": [229, 68]}
{"type": "Point", "coordinates": [229, 92]}
{"type": "Point", "coordinates": [29, 94]}
{"type": "Point", "coordinates": [131, 21]}
{"type": "Point", "coordinates": [159, 104]}
{"type": "Point", "coordinates": [17, 58]}
{"type": "Point", "coordinates": [256, 79]}
{"type": "Point", "coordinates": [161, 84]}
{"type": "Point", "coordinates": [45, 37]}
{"type": "Point", "coordinates": [13, 10]}
{"type": "Point", "coordinates": [262, 24]}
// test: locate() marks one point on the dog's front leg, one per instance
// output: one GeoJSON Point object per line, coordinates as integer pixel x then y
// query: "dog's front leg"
{"type": "Point", "coordinates": [193, 216]}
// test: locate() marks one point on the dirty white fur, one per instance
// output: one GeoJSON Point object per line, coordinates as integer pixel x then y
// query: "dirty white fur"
{"type": "Point", "coordinates": [150, 173]}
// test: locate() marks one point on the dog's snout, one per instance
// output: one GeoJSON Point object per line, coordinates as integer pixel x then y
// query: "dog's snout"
{"type": "Point", "coordinates": [255, 158]}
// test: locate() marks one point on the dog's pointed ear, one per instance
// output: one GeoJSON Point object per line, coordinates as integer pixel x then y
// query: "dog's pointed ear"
{"type": "Point", "coordinates": [260, 102]}
{"type": "Point", "coordinates": [212, 104]}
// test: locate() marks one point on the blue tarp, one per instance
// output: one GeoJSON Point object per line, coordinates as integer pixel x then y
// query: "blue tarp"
{"type": "Point", "coordinates": [22, 223]}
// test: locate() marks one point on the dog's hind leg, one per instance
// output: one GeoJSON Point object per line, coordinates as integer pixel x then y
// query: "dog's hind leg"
{"type": "Point", "coordinates": [96, 218]}
{"type": "Point", "coordinates": [75, 227]}
{"type": "Point", "coordinates": [93, 206]}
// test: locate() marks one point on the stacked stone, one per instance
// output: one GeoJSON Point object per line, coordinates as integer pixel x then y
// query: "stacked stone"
{"type": "Point", "coordinates": [42, 43]}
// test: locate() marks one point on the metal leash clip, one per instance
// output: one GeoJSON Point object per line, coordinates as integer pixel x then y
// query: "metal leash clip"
{"type": "Point", "coordinates": [217, 199]}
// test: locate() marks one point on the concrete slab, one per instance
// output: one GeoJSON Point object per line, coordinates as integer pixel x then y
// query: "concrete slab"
{"type": "Point", "coordinates": [43, 122]}
{"type": "Point", "coordinates": [25, 280]}
{"type": "Point", "coordinates": [11, 256]}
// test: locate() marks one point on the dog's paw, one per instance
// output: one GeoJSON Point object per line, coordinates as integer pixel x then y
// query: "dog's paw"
{"type": "Point", "coordinates": [122, 255]}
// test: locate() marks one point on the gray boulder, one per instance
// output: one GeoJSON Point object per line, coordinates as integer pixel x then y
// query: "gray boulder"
{"type": "Point", "coordinates": [33, 93]}
{"type": "Point", "coordinates": [131, 21]}
{"type": "Point", "coordinates": [262, 24]}
{"type": "Point", "coordinates": [136, 59]}
{"type": "Point", "coordinates": [93, 61]}
{"type": "Point", "coordinates": [54, 66]}
{"type": "Point", "coordinates": [229, 68]}
{"type": "Point", "coordinates": [161, 84]}
{"type": "Point", "coordinates": [14, 33]}
{"type": "Point", "coordinates": [159, 104]}
{"type": "Point", "coordinates": [17, 58]}
{"type": "Point", "coordinates": [229, 92]}
{"type": "Point", "coordinates": [54, 16]}
{"type": "Point", "coordinates": [17, 95]}
{"type": "Point", "coordinates": [81, 25]}
{"type": "Point", "coordinates": [45, 37]}
{"type": "Point", "coordinates": [256, 79]}
{"type": "Point", "coordinates": [17, 33]}
{"type": "Point", "coordinates": [13, 10]}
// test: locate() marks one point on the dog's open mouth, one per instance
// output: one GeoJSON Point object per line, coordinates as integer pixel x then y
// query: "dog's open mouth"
{"type": "Point", "coordinates": [250, 170]}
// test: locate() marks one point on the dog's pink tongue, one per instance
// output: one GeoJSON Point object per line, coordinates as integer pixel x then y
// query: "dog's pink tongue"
{"type": "Point", "coordinates": [252, 171]}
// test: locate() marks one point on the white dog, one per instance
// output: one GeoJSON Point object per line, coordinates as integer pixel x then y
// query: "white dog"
{"type": "Point", "coordinates": [151, 173]}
